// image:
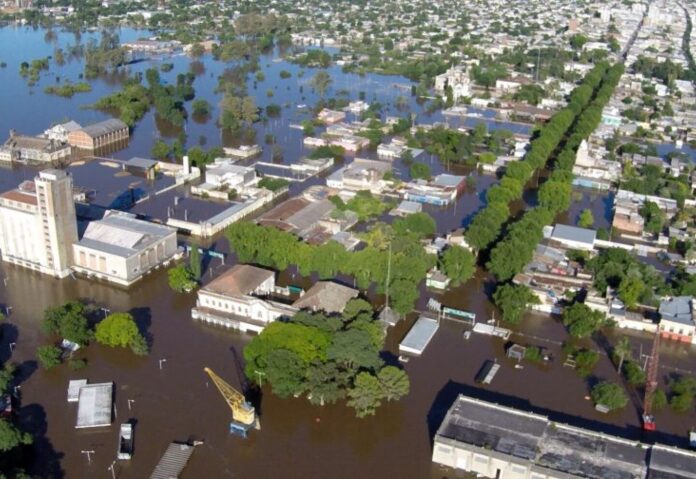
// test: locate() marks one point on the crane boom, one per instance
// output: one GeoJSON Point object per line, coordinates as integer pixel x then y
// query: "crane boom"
{"type": "Point", "coordinates": [243, 413]}
{"type": "Point", "coordinates": [651, 384]}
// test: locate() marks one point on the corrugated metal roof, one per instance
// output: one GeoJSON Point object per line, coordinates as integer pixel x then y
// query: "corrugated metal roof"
{"type": "Point", "coordinates": [173, 461]}
{"type": "Point", "coordinates": [104, 127]}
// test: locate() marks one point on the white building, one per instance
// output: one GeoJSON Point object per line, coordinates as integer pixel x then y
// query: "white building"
{"type": "Point", "coordinates": [361, 174]}
{"type": "Point", "coordinates": [38, 224]}
{"type": "Point", "coordinates": [235, 300]}
{"type": "Point", "coordinates": [121, 248]}
{"type": "Point", "coordinates": [225, 173]}
{"type": "Point", "coordinates": [60, 132]}
{"type": "Point", "coordinates": [458, 79]}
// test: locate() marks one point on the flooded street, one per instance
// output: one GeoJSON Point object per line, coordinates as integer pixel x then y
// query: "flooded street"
{"type": "Point", "coordinates": [168, 395]}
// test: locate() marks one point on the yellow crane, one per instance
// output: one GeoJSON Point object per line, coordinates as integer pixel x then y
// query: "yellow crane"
{"type": "Point", "coordinates": [243, 413]}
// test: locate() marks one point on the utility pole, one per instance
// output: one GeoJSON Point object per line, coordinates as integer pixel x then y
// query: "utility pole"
{"type": "Point", "coordinates": [538, 61]}
{"type": "Point", "coordinates": [386, 288]}
{"type": "Point", "coordinates": [89, 456]}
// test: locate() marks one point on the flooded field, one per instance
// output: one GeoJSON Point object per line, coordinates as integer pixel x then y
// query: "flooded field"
{"type": "Point", "coordinates": [168, 395]}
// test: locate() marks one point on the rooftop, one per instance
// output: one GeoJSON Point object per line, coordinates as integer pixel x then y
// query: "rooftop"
{"type": "Point", "coordinates": [94, 407]}
{"type": "Point", "coordinates": [104, 127]}
{"type": "Point", "coordinates": [576, 452]}
{"type": "Point", "coordinates": [241, 280]}
{"type": "Point", "coordinates": [122, 234]}
{"type": "Point", "coordinates": [678, 309]}
{"type": "Point", "coordinates": [573, 233]}
{"type": "Point", "coordinates": [326, 296]}
{"type": "Point", "coordinates": [419, 335]}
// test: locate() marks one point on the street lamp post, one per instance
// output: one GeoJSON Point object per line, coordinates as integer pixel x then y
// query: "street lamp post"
{"type": "Point", "coordinates": [12, 346]}
{"type": "Point", "coordinates": [89, 456]}
{"type": "Point", "coordinates": [162, 361]}
{"type": "Point", "coordinates": [130, 401]}
{"type": "Point", "coordinates": [111, 468]}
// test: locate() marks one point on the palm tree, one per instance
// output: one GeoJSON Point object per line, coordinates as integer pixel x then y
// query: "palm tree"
{"type": "Point", "coordinates": [622, 350]}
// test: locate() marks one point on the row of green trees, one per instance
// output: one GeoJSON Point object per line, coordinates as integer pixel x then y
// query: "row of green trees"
{"type": "Point", "coordinates": [488, 223]}
{"type": "Point", "coordinates": [328, 358]}
{"type": "Point", "coordinates": [277, 249]}
{"type": "Point", "coordinates": [513, 252]}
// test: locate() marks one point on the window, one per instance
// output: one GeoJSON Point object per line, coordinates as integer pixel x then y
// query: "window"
{"type": "Point", "coordinates": [480, 458]}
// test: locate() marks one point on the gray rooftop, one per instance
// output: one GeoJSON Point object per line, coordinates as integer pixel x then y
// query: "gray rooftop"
{"type": "Point", "coordinates": [570, 451]}
{"type": "Point", "coordinates": [94, 407]}
{"type": "Point", "coordinates": [138, 162]}
{"type": "Point", "coordinates": [677, 309]}
{"type": "Point", "coordinates": [122, 234]}
{"type": "Point", "coordinates": [104, 127]}
{"type": "Point", "coordinates": [448, 181]}
{"type": "Point", "coordinates": [573, 233]}
{"type": "Point", "coordinates": [173, 461]}
{"type": "Point", "coordinates": [419, 335]}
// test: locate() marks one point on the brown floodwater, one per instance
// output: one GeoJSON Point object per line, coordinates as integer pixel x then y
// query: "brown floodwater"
{"type": "Point", "coordinates": [177, 403]}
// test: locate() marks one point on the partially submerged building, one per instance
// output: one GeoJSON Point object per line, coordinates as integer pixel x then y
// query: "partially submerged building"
{"type": "Point", "coordinates": [243, 298]}
{"type": "Point", "coordinates": [32, 149]}
{"type": "Point", "coordinates": [499, 442]}
{"type": "Point", "coordinates": [99, 134]}
{"type": "Point", "coordinates": [38, 224]}
{"type": "Point", "coordinates": [121, 248]}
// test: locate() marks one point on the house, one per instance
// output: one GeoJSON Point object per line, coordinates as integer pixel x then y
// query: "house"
{"type": "Point", "coordinates": [456, 78]}
{"type": "Point", "coordinates": [60, 132]}
{"type": "Point", "coordinates": [326, 296]}
{"type": "Point", "coordinates": [571, 236]}
{"type": "Point", "coordinates": [236, 300]}
{"type": "Point", "coordinates": [440, 190]}
{"type": "Point", "coordinates": [121, 249]}
{"type": "Point", "coordinates": [224, 173]}
{"type": "Point", "coordinates": [511, 84]}
{"type": "Point", "coordinates": [331, 117]}
{"type": "Point", "coordinates": [360, 175]}
{"type": "Point", "coordinates": [141, 167]}
{"type": "Point", "coordinates": [406, 208]}
{"type": "Point", "coordinates": [25, 148]}
{"type": "Point", "coordinates": [99, 134]}
{"type": "Point", "coordinates": [677, 319]}
{"type": "Point", "coordinates": [436, 279]}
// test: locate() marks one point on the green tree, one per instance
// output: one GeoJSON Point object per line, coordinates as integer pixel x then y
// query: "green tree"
{"type": "Point", "coordinates": [585, 362]}
{"type": "Point", "coordinates": [513, 299]}
{"type": "Point", "coordinates": [420, 170]}
{"type": "Point", "coordinates": [586, 219]}
{"type": "Point", "coordinates": [622, 350]}
{"type": "Point", "coordinates": [659, 401]}
{"type": "Point", "coordinates": [200, 107]}
{"type": "Point", "coordinates": [419, 224]}
{"type": "Point", "coordinates": [160, 150]}
{"type": "Point", "coordinates": [69, 322]}
{"type": "Point", "coordinates": [582, 321]}
{"type": "Point", "coordinates": [48, 356]}
{"type": "Point", "coordinates": [634, 374]}
{"type": "Point", "coordinates": [11, 437]}
{"type": "Point", "coordinates": [321, 82]}
{"type": "Point", "coordinates": [366, 395]}
{"type": "Point", "coordinates": [394, 383]}
{"type": "Point", "coordinates": [630, 290]}
{"type": "Point", "coordinates": [354, 349]}
{"type": "Point", "coordinates": [458, 264]}
{"type": "Point", "coordinates": [181, 279]}
{"type": "Point", "coordinates": [403, 294]}
{"type": "Point", "coordinates": [197, 50]}
{"type": "Point", "coordinates": [654, 217]}
{"type": "Point", "coordinates": [610, 395]}
{"type": "Point", "coordinates": [117, 330]}
{"type": "Point", "coordinates": [195, 261]}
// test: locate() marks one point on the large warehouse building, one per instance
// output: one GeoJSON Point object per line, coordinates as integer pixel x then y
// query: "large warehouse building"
{"type": "Point", "coordinates": [505, 443]}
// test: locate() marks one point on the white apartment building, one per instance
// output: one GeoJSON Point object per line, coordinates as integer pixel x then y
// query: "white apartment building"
{"type": "Point", "coordinates": [38, 224]}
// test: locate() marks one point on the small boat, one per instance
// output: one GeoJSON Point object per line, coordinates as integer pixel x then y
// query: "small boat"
{"type": "Point", "coordinates": [125, 441]}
